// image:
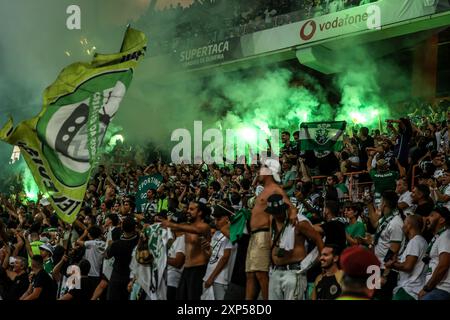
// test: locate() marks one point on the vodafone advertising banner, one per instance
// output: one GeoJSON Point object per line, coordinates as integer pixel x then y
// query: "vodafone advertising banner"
{"type": "Point", "coordinates": [367, 17]}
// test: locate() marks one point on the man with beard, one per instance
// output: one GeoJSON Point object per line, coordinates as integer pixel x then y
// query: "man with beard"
{"type": "Point", "coordinates": [328, 285]}
{"type": "Point", "coordinates": [409, 264]}
{"type": "Point", "coordinates": [437, 286]}
{"type": "Point", "coordinates": [197, 232]}
{"type": "Point", "coordinates": [258, 253]}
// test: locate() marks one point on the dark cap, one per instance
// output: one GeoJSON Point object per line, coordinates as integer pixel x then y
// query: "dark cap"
{"type": "Point", "coordinates": [219, 211]}
{"type": "Point", "coordinates": [178, 217]}
{"type": "Point", "coordinates": [355, 261]}
{"type": "Point", "coordinates": [276, 204]}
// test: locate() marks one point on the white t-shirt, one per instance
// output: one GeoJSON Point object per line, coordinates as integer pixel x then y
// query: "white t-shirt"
{"type": "Point", "coordinates": [414, 281]}
{"type": "Point", "coordinates": [441, 245]}
{"type": "Point", "coordinates": [218, 245]}
{"type": "Point", "coordinates": [94, 254]}
{"type": "Point", "coordinates": [407, 198]}
{"type": "Point", "coordinates": [174, 274]}
{"type": "Point", "coordinates": [392, 233]}
{"type": "Point", "coordinates": [108, 263]}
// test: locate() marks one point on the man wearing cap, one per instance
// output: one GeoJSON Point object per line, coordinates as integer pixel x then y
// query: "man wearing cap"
{"type": "Point", "coordinates": [287, 281]}
{"type": "Point", "coordinates": [437, 285]}
{"type": "Point", "coordinates": [357, 263]}
{"type": "Point", "coordinates": [258, 253]}
{"type": "Point", "coordinates": [46, 251]}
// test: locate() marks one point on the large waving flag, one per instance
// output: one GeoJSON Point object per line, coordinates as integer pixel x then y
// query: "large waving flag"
{"type": "Point", "coordinates": [322, 136]}
{"type": "Point", "coordinates": [60, 144]}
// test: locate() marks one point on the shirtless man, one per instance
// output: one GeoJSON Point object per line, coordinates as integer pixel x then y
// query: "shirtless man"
{"type": "Point", "coordinates": [196, 234]}
{"type": "Point", "coordinates": [258, 253]}
{"type": "Point", "coordinates": [287, 281]}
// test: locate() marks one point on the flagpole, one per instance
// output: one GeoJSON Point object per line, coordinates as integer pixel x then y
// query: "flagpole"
{"type": "Point", "coordinates": [124, 37]}
{"type": "Point", "coordinates": [379, 124]}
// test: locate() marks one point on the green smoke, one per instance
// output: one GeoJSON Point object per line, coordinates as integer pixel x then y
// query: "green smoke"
{"type": "Point", "coordinates": [266, 102]}
{"type": "Point", "coordinates": [29, 186]}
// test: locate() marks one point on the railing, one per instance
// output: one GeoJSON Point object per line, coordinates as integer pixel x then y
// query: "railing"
{"type": "Point", "coordinates": [355, 189]}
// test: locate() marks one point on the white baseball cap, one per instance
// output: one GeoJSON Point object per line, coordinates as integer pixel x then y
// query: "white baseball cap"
{"type": "Point", "coordinates": [274, 167]}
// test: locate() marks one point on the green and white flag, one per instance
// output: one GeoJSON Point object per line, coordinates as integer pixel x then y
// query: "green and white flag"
{"type": "Point", "coordinates": [322, 136]}
{"type": "Point", "coordinates": [61, 143]}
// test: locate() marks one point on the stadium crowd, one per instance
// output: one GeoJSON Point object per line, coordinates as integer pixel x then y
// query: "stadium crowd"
{"type": "Point", "coordinates": [211, 21]}
{"type": "Point", "coordinates": [306, 227]}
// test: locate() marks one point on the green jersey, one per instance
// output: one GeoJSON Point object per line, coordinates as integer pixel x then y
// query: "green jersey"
{"type": "Point", "coordinates": [357, 229]}
{"type": "Point", "coordinates": [384, 181]}
{"type": "Point", "coordinates": [48, 266]}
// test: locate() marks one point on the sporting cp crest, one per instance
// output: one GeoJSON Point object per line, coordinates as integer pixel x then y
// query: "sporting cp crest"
{"type": "Point", "coordinates": [322, 134]}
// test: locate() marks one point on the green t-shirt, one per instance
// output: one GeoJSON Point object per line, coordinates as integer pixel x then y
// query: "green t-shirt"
{"type": "Point", "coordinates": [356, 229]}
{"type": "Point", "coordinates": [383, 181]}
{"type": "Point", "coordinates": [342, 187]}
{"type": "Point", "coordinates": [48, 266]}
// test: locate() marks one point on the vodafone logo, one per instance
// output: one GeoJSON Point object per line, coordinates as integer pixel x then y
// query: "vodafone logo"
{"type": "Point", "coordinates": [306, 32]}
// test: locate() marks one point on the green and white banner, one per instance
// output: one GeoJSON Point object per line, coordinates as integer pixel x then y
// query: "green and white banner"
{"type": "Point", "coordinates": [60, 144]}
{"type": "Point", "coordinates": [322, 136]}
{"type": "Point", "coordinates": [146, 183]}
